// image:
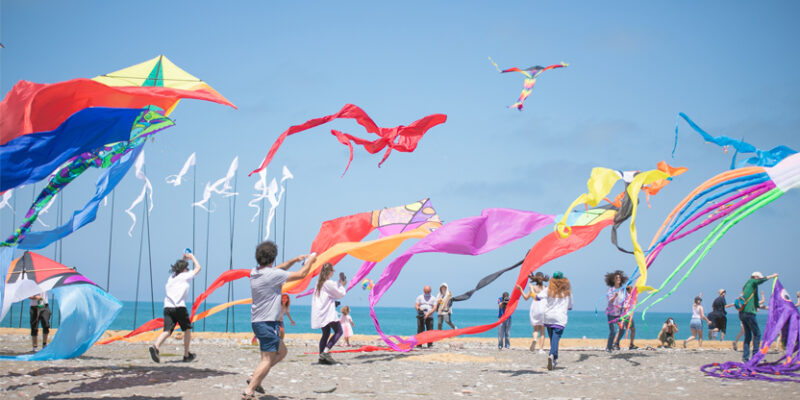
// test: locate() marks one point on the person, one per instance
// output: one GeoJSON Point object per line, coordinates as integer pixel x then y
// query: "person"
{"type": "Point", "coordinates": [347, 325]}
{"type": "Point", "coordinates": [40, 315]}
{"type": "Point", "coordinates": [266, 282]}
{"type": "Point", "coordinates": [798, 299]}
{"type": "Point", "coordinates": [504, 332]}
{"type": "Point", "coordinates": [718, 316]}
{"type": "Point", "coordinates": [285, 303]}
{"type": "Point", "coordinates": [536, 286]}
{"type": "Point", "coordinates": [616, 298]}
{"type": "Point", "coordinates": [696, 324]}
{"type": "Point", "coordinates": [748, 312]}
{"type": "Point", "coordinates": [444, 306]}
{"type": "Point", "coordinates": [667, 335]}
{"type": "Point", "coordinates": [177, 289]}
{"type": "Point", "coordinates": [628, 325]}
{"type": "Point", "coordinates": [425, 306]}
{"type": "Point", "coordinates": [558, 300]}
{"type": "Point", "coordinates": [323, 311]}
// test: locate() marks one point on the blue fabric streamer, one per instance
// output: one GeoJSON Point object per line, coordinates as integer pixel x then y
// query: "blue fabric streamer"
{"type": "Point", "coordinates": [86, 312]}
{"type": "Point", "coordinates": [105, 184]}
{"type": "Point", "coordinates": [761, 159]}
{"type": "Point", "coordinates": [31, 158]}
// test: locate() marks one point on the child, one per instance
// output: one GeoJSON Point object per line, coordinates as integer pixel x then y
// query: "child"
{"type": "Point", "coordinates": [285, 302]}
{"type": "Point", "coordinates": [177, 289]}
{"type": "Point", "coordinates": [558, 298]}
{"type": "Point", "coordinates": [347, 325]}
{"type": "Point", "coordinates": [667, 334]}
{"type": "Point", "coordinates": [537, 308]}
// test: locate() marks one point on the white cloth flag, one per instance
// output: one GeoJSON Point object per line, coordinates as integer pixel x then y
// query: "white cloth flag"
{"type": "Point", "coordinates": [274, 197]}
{"type": "Point", "coordinates": [261, 193]}
{"type": "Point", "coordinates": [220, 186]}
{"type": "Point", "coordinates": [175, 180]}
{"type": "Point", "coordinates": [6, 197]}
{"type": "Point", "coordinates": [45, 210]}
{"type": "Point", "coordinates": [147, 187]}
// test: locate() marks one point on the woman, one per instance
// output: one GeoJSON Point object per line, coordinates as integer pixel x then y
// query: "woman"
{"type": "Point", "coordinates": [444, 303]}
{"type": "Point", "coordinates": [323, 311]}
{"type": "Point", "coordinates": [696, 324]}
{"type": "Point", "coordinates": [616, 298]}
{"type": "Point", "coordinates": [536, 286]}
{"type": "Point", "coordinates": [667, 335]}
{"type": "Point", "coordinates": [558, 300]}
{"type": "Point", "coordinates": [177, 288]}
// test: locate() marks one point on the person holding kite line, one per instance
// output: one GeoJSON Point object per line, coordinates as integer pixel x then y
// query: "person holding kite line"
{"type": "Point", "coordinates": [177, 289]}
{"type": "Point", "coordinates": [616, 299]}
{"type": "Point", "coordinates": [504, 331]}
{"type": "Point", "coordinates": [747, 312]}
{"type": "Point", "coordinates": [537, 308]}
{"type": "Point", "coordinates": [696, 324]}
{"type": "Point", "coordinates": [558, 301]}
{"type": "Point", "coordinates": [444, 306]}
{"type": "Point", "coordinates": [323, 311]}
{"type": "Point", "coordinates": [266, 312]}
{"type": "Point", "coordinates": [40, 314]}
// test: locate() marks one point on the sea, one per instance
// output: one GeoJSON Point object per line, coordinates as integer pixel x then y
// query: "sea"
{"type": "Point", "coordinates": [395, 320]}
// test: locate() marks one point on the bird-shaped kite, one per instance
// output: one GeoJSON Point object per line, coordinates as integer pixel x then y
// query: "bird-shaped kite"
{"type": "Point", "coordinates": [531, 73]}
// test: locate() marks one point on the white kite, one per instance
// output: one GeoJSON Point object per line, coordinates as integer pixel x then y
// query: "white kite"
{"type": "Point", "coordinates": [176, 179]}
{"type": "Point", "coordinates": [147, 187]}
{"type": "Point", "coordinates": [274, 197]}
{"type": "Point", "coordinates": [221, 186]}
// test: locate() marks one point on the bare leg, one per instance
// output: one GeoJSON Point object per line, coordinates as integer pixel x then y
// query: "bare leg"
{"type": "Point", "coordinates": [44, 339]}
{"type": "Point", "coordinates": [187, 339]}
{"type": "Point", "coordinates": [268, 360]}
{"type": "Point", "coordinates": [35, 341]}
{"type": "Point", "coordinates": [161, 338]}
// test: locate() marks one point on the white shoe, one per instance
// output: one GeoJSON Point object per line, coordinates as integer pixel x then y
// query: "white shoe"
{"type": "Point", "coordinates": [550, 362]}
{"type": "Point", "coordinates": [542, 352]}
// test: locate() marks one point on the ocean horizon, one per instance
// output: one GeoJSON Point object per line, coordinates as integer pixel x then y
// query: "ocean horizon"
{"type": "Point", "coordinates": [396, 320]}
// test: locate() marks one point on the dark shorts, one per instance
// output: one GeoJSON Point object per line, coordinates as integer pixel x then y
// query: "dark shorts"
{"type": "Point", "coordinates": [40, 316]}
{"type": "Point", "coordinates": [719, 321]}
{"type": "Point", "coordinates": [176, 315]}
{"type": "Point", "coordinates": [268, 334]}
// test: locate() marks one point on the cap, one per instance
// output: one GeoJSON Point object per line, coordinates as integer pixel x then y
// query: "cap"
{"type": "Point", "coordinates": [558, 275]}
{"type": "Point", "coordinates": [721, 291]}
{"type": "Point", "coordinates": [757, 275]}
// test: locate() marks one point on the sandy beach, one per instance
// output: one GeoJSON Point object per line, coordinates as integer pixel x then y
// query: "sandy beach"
{"type": "Point", "coordinates": [462, 367]}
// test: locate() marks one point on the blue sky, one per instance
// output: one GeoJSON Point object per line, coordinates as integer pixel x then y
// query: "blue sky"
{"type": "Point", "coordinates": [633, 67]}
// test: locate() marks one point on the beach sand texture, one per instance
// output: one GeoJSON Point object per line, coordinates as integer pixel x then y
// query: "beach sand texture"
{"type": "Point", "coordinates": [455, 368]}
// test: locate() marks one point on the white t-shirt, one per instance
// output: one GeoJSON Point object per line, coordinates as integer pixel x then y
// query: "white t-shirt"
{"type": "Point", "coordinates": [265, 288]}
{"type": "Point", "coordinates": [426, 304]}
{"type": "Point", "coordinates": [323, 307]}
{"type": "Point", "coordinates": [177, 288]}
{"type": "Point", "coordinates": [555, 312]}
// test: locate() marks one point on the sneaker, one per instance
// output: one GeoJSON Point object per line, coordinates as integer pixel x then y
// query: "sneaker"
{"type": "Point", "coordinates": [633, 347]}
{"type": "Point", "coordinates": [608, 350]}
{"type": "Point", "coordinates": [550, 362]}
{"type": "Point", "coordinates": [616, 347]}
{"type": "Point", "coordinates": [190, 357]}
{"type": "Point", "coordinates": [735, 347]}
{"type": "Point", "coordinates": [154, 354]}
{"type": "Point", "coordinates": [35, 349]}
{"type": "Point", "coordinates": [322, 359]}
{"type": "Point", "coordinates": [533, 345]}
{"type": "Point", "coordinates": [542, 352]}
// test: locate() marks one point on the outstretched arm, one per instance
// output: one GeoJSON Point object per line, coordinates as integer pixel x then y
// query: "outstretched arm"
{"type": "Point", "coordinates": [197, 266]}
{"type": "Point", "coordinates": [524, 296]}
{"type": "Point", "coordinates": [300, 274]}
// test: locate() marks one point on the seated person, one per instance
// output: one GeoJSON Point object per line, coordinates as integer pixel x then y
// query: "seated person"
{"type": "Point", "coordinates": [667, 335]}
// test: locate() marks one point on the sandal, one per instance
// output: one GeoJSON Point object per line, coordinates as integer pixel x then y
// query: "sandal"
{"type": "Point", "coordinates": [259, 388]}
{"type": "Point", "coordinates": [246, 396]}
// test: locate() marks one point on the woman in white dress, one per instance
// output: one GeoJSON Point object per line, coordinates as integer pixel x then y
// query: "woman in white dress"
{"type": "Point", "coordinates": [536, 286]}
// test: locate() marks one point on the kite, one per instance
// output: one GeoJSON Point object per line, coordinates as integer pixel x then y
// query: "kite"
{"type": "Point", "coordinates": [400, 138]}
{"type": "Point", "coordinates": [175, 180]}
{"type": "Point", "coordinates": [31, 158]}
{"type": "Point", "coordinates": [367, 284]}
{"type": "Point", "coordinates": [221, 186]}
{"type": "Point", "coordinates": [531, 73]}
{"type": "Point", "coordinates": [86, 310]}
{"type": "Point", "coordinates": [147, 189]}
{"type": "Point", "coordinates": [733, 195]}
{"type": "Point", "coordinates": [148, 123]}
{"type": "Point", "coordinates": [761, 159]}
{"type": "Point", "coordinates": [4, 201]}
{"type": "Point", "coordinates": [274, 197]}
{"type": "Point", "coordinates": [783, 321]}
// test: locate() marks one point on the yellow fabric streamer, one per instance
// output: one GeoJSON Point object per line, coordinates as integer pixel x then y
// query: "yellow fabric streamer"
{"type": "Point", "coordinates": [599, 185]}
{"type": "Point", "coordinates": [642, 179]}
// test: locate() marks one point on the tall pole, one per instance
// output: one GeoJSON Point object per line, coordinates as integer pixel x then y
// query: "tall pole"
{"type": "Point", "coordinates": [194, 214]}
{"type": "Point", "coordinates": [149, 258]}
{"type": "Point", "coordinates": [138, 273]}
{"type": "Point", "coordinates": [110, 236]}
{"type": "Point", "coordinates": [13, 226]}
{"type": "Point", "coordinates": [285, 204]}
{"type": "Point", "coordinates": [208, 235]}
{"type": "Point", "coordinates": [232, 215]}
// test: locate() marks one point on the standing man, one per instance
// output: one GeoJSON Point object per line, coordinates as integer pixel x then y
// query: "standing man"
{"type": "Point", "coordinates": [175, 312]}
{"type": "Point", "coordinates": [40, 314]}
{"type": "Point", "coordinates": [425, 306]}
{"type": "Point", "coordinates": [747, 314]}
{"type": "Point", "coordinates": [718, 316]}
{"type": "Point", "coordinates": [266, 281]}
{"type": "Point", "coordinates": [504, 332]}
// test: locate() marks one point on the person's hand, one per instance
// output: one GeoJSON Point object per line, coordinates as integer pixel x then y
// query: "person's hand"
{"type": "Point", "coordinates": [292, 323]}
{"type": "Point", "coordinates": [520, 288]}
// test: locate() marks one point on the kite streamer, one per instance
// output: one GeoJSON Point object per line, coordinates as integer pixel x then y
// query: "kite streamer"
{"type": "Point", "coordinates": [783, 321]}
{"type": "Point", "coordinates": [274, 197]}
{"type": "Point", "coordinates": [148, 123]}
{"type": "Point", "coordinates": [400, 138]}
{"type": "Point", "coordinates": [221, 186]}
{"type": "Point", "coordinates": [176, 180]}
{"type": "Point", "coordinates": [147, 189]}
{"type": "Point", "coordinates": [4, 201]}
{"type": "Point", "coordinates": [531, 73]}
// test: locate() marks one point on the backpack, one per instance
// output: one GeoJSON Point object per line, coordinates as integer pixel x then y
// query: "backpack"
{"type": "Point", "coordinates": [740, 302]}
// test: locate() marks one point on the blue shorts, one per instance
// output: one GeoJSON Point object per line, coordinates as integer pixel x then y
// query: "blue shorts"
{"type": "Point", "coordinates": [268, 334]}
{"type": "Point", "coordinates": [696, 324]}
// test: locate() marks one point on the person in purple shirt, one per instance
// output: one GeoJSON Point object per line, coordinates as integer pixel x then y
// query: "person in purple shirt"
{"type": "Point", "coordinates": [616, 298]}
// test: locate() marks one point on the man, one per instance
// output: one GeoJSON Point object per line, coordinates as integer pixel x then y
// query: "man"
{"type": "Point", "coordinates": [175, 312]}
{"type": "Point", "coordinates": [748, 313]}
{"type": "Point", "coordinates": [719, 320]}
{"type": "Point", "coordinates": [425, 306]}
{"type": "Point", "coordinates": [504, 332]}
{"type": "Point", "coordinates": [265, 286]}
{"type": "Point", "coordinates": [40, 314]}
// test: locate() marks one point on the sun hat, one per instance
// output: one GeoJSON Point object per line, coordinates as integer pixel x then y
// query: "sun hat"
{"type": "Point", "coordinates": [757, 275]}
{"type": "Point", "coordinates": [558, 275]}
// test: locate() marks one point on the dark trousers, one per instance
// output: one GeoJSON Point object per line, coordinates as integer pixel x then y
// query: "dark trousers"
{"type": "Point", "coordinates": [613, 339]}
{"type": "Point", "coordinates": [555, 336]}
{"type": "Point", "coordinates": [751, 332]}
{"type": "Point", "coordinates": [334, 326]}
{"type": "Point", "coordinates": [424, 324]}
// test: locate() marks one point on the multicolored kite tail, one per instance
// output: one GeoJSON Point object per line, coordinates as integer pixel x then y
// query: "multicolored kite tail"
{"type": "Point", "coordinates": [531, 73]}
{"type": "Point", "coordinates": [146, 124]}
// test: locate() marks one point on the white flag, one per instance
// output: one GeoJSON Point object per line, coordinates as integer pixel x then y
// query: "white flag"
{"type": "Point", "coordinates": [261, 193]}
{"type": "Point", "coordinates": [176, 179]}
{"type": "Point", "coordinates": [274, 197]}
{"type": "Point", "coordinates": [45, 210]}
{"type": "Point", "coordinates": [6, 197]}
{"type": "Point", "coordinates": [147, 187]}
{"type": "Point", "coordinates": [220, 186]}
